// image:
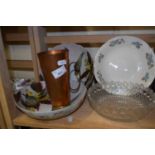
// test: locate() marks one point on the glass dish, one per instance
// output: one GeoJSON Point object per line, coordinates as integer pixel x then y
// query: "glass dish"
{"type": "Point", "coordinates": [122, 88]}
{"type": "Point", "coordinates": [118, 107]}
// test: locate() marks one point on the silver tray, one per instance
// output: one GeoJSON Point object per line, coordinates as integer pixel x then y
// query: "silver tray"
{"type": "Point", "coordinates": [118, 107]}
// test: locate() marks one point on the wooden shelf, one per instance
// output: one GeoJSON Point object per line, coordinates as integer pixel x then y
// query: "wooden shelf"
{"type": "Point", "coordinates": [14, 37]}
{"type": "Point", "coordinates": [92, 38]}
{"type": "Point", "coordinates": [38, 39]}
{"type": "Point", "coordinates": [20, 64]}
{"type": "Point", "coordinates": [23, 37]}
{"type": "Point", "coordinates": [85, 117]}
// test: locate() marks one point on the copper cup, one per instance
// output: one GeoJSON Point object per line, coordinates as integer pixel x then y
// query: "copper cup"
{"type": "Point", "coordinates": [55, 68]}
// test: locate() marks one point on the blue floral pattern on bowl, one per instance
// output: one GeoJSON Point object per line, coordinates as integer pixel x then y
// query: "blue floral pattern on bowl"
{"type": "Point", "coordinates": [100, 57]}
{"type": "Point", "coordinates": [146, 77]}
{"type": "Point", "coordinates": [116, 42]}
{"type": "Point", "coordinates": [100, 76]}
{"type": "Point", "coordinates": [150, 62]}
{"type": "Point", "coordinates": [138, 56]}
{"type": "Point", "coordinates": [137, 44]}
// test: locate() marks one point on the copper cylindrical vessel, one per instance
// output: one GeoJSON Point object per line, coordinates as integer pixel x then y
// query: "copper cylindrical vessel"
{"type": "Point", "coordinates": [55, 68]}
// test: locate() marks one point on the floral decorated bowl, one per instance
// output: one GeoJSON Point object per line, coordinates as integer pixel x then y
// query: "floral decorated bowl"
{"type": "Point", "coordinates": [40, 108]}
{"type": "Point", "coordinates": [125, 59]}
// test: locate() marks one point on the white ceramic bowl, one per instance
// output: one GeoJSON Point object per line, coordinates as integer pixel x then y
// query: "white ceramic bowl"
{"type": "Point", "coordinates": [47, 113]}
{"type": "Point", "coordinates": [125, 59]}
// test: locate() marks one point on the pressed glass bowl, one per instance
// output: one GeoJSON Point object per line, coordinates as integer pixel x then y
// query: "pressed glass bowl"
{"type": "Point", "coordinates": [119, 107]}
{"type": "Point", "coordinates": [122, 88]}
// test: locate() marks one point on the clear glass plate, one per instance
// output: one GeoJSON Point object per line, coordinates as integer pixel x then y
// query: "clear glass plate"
{"type": "Point", "coordinates": [120, 108]}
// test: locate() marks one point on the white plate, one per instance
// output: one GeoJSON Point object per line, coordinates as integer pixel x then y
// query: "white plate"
{"type": "Point", "coordinates": [46, 113]}
{"type": "Point", "coordinates": [125, 59]}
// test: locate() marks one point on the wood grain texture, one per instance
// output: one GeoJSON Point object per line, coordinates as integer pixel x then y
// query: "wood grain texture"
{"type": "Point", "coordinates": [92, 38]}
{"type": "Point", "coordinates": [39, 34]}
{"type": "Point", "coordinates": [96, 28]}
{"type": "Point", "coordinates": [2, 121]}
{"type": "Point", "coordinates": [20, 64]}
{"type": "Point", "coordinates": [34, 54]}
{"type": "Point", "coordinates": [85, 117]}
{"type": "Point", "coordinates": [39, 38]}
{"type": "Point", "coordinates": [4, 99]}
{"type": "Point", "coordinates": [6, 94]}
{"type": "Point", "coordinates": [15, 37]}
